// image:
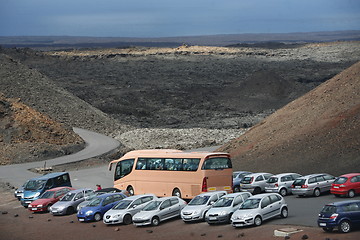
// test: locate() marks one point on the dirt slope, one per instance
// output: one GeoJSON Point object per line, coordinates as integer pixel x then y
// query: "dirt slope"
{"type": "Point", "coordinates": [318, 132]}
{"type": "Point", "coordinates": [27, 135]}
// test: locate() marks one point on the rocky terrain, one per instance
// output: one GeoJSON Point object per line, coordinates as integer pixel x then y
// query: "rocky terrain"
{"type": "Point", "coordinates": [183, 97]}
{"type": "Point", "coordinates": [318, 132]}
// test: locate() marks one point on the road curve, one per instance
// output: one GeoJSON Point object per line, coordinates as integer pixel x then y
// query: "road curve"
{"type": "Point", "coordinates": [96, 144]}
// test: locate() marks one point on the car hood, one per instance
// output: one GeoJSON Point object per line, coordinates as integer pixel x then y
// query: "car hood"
{"type": "Point", "coordinates": [44, 201]}
{"type": "Point", "coordinates": [243, 212]}
{"type": "Point", "coordinates": [115, 212]}
{"type": "Point", "coordinates": [94, 209]}
{"type": "Point", "coordinates": [63, 204]}
{"type": "Point", "coordinates": [188, 208]}
{"type": "Point", "coordinates": [145, 214]}
{"type": "Point", "coordinates": [29, 194]}
{"type": "Point", "coordinates": [218, 210]}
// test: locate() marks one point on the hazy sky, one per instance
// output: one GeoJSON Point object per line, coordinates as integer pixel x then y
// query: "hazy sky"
{"type": "Point", "coordinates": [161, 18]}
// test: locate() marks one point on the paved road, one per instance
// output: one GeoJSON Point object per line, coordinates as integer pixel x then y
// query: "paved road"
{"type": "Point", "coordinates": [96, 144]}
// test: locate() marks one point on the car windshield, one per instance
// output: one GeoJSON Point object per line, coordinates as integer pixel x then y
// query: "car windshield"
{"type": "Point", "coordinates": [299, 182]}
{"type": "Point", "coordinates": [272, 180]}
{"type": "Point", "coordinates": [152, 206]}
{"type": "Point", "coordinates": [94, 202]}
{"type": "Point", "coordinates": [199, 200]}
{"type": "Point", "coordinates": [340, 180]}
{"type": "Point", "coordinates": [224, 202]}
{"type": "Point", "coordinates": [250, 204]}
{"type": "Point", "coordinates": [47, 194]}
{"type": "Point", "coordinates": [35, 184]}
{"type": "Point", "coordinates": [123, 204]}
{"type": "Point", "coordinates": [68, 197]}
{"type": "Point", "coordinates": [329, 209]}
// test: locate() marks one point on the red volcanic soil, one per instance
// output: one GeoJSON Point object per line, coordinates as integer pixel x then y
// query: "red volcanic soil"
{"type": "Point", "coordinates": [318, 132]}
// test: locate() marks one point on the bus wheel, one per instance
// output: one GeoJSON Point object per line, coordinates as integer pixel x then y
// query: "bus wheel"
{"type": "Point", "coordinates": [176, 192]}
{"type": "Point", "coordinates": [130, 190]}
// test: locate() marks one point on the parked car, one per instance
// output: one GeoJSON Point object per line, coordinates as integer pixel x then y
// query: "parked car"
{"type": "Point", "coordinates": [159, 210]}
{"type": "Point", "coordinates": [37, 186]}
{"type": "Point", "coordinates": [48, 198]}
{"type": "Point", "coordinates": [124, 210]}
{"type": "Point", "coordinates": [312, 185]}
{"type": "Point", "coordinates": [223, 208]}
{"type": "Point", "coordinates": [341, 215]}
{"type": "Point", "coordinates": [237, 177]}
{"type": "Point", "coordinates": [281, 183]}
{"type": "Point", "coordinates": [95, 210]}
{"type": "Point", "coordinates": [196, 209]}
{"type": "Point", "coordinates": [259, 208]}
{"type": "Point", "coordinates": [68, 203]}
{"type": "Point", "coordinates": [19, 192]}
{"type": "Point", "coordinates": [255, 183]}
{"type": "Point", "coordinates": [346, 185]}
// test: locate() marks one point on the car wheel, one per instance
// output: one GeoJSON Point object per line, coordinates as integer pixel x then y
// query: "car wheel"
{"type": "Point", "coordinates": [257, 190]}
{"type": "Point", "coordinates": [316, 192]}
{"type": "Point", "coordinates": [283, 192]}
{"type": "Point", "coordinates": [69, 210]}
{"type": "Point", "coordinates": [284, 212]}
{"type": "Point", "coordinates": [127, 219]}
{"type": "Point", "coordinates": [130, 190]}
{"type": "Point", "coordinates": [236, 189]}
{"type": "Point", "coordinates": [176, 192]}
{"type": "Point", "coordinates": [97, 217]}
{"type": "Point", "coordinates": [155, 221]}
{"type": "Point", "coordinates": [345, 227]}
{"type": "Point", "coordinates": [351, 194]}
{"type": "Point", "coordinates": [257, 221]}
{"type": "Point", "coordinates": [326, 229]}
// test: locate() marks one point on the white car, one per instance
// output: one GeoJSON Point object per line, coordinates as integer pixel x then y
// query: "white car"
{"type": "Point", "coordinates": [259, 208]}
{"type": "Point", "coordinates": [199, 205]}
{"type": "Point", "coordinates": [127, 208]}
{"type": "Point", "coordinates": [159, 210]}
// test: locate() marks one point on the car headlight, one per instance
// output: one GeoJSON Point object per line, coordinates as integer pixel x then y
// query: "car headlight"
{"type": "Point", "coordinates": [61, 208]}
{"type": "Point", "coordinates": [223, 213]}
{"type": "Point", "coordinates": [40, 205]}
{"type": "Point", "coordinates": [30, 206]}
{"type": "Point", "coordinates": [36, 194]}
{"type": "Point", "coordinates": [118, 216]}
{"type": "Point", "coordinates": [249, 215]}
{"type": "Point", "coordinates": [89, 212]}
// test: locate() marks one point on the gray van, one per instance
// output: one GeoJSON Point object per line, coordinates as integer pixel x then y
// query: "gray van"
{"type": "Point", "coordinates": [36, 186]}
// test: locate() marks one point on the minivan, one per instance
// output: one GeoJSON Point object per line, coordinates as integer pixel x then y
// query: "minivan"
{"type": "Point", "coordinates": [37, 186]}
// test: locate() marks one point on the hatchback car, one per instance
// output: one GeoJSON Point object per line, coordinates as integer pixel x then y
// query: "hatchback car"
{"type": "Point", "coordinates": [341, 215]}
{"type": "Point", "coordinates": [346, 185]}
{"type": "Point", "coordinates": [68, 203]}
{"type": "Point", "coordinates": [281, 183]}
{"type": "Point", "coordinates": [95, 209]}
{"type": "Point", "coordinates": [255, 183]}
{"type": "Point", "coordinates": [159, 210]}
{"type": "Point", "coordinates": [259, 208]}
{"type": "Point", "coordinates": [127, 208]}
{"type": "Point", "coordinates": [48, 198]}
{"type": "Point", "coordinates": [237, 177]}
{"type": "Point", "coordinates": [222, 210]}
{"type": "Point", "coordinates": [312, 185]}
{"type": "Point", "coordinates": [196, 209]}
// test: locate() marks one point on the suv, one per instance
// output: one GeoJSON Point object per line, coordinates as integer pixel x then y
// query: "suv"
{"type": "Point", "coordinates": [255, 183]}
{"type": "Point", "coordinates": [313, 184]}
{"type": "Point", "coordinates": [342, 215]}
{"type": "Point", "coordinates": [237, 177]}
{"type": "Point", "coordinates": [281, 183]}
{"type": "Point", "coordinates": [346, 185]}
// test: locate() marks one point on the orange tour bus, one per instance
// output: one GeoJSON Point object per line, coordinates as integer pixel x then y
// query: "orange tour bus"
{"type": "Point", "coordinates": [166, 172]}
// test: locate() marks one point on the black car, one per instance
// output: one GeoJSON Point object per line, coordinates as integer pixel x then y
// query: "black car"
{"type": "Point", "coordinates": [341, 215]}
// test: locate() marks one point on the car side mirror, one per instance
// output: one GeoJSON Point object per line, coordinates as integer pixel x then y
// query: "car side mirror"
{"type": "Point", "coordinates": [211, 202]}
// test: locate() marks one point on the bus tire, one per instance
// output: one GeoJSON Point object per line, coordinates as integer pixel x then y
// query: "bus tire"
{"type": "Point", "coordinates": [130, 190]}
{"type": "Point", "coordinates": [176, 192]}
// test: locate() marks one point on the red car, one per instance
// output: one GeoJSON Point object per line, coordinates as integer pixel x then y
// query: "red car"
{"type": "Point", "coordinates": [346, 185]}
{"type": "Point", "coordinates": [48, 198]}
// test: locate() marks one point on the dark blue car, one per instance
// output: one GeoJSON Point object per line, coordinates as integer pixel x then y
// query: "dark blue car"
{"type": "Point", "coordinates": [95, 210]}
{"type": "Point", "coordinates": [341, 215]}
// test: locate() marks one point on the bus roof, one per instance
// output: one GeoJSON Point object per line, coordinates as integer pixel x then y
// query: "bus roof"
{"type": "Point", "coordinates": [170, 153]}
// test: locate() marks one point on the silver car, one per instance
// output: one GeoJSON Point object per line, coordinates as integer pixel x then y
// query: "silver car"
{"type": "Point", "coordinates": [68, 203]}
{"type": "Point", "coordinates": [259, 208]}
{"type": "Point", "coordinates": [255, 183]}
{"type": "Point", "coordinates": [222, 210]}
{"type": "Point", "coordinates": [159, 210]}
{"type": "Point", "coordinates": [199, 205]}
{"type": "Point", "coordinates": [237, 177]}
{"type": "Point", "coordinates": [281, 183]}
{"type": "Point", "coordinates": [127, 208]}
{"type": "Point", "coordinates": [312, 185]}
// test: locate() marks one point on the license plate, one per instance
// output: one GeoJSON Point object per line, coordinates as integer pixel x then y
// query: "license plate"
{"type": "Point", "coordinates": [212, 218]}
{"type": "Point", "coordinates": [322, 224]}
{"type": "Point", "coordinates": [54, 211]}
{"type": "Point", "coordinates": [297, 186]}
{"type": "Point", "coordinates": [187, 218]}
{"type": "Point", "coordinates": [34, 208]}
{"type": "Point", "coordinates": [81, 220]}
{"type": "Point", "coordinates": [27, 201]}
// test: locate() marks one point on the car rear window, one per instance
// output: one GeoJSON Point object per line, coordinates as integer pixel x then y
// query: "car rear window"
{"type": "Point", "coordinates": [272, 180]}
{"type": "Point", "coordinates": [329, 209]}
{"type": "Point", "coordinates": [340, 180]}
{"type": "Point", "coordinates": [247, 180]}
{"type": "Point", "coordinates": [299, 182]}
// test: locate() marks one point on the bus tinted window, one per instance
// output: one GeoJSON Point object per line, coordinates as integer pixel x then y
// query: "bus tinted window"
{"type": "Point", "coordinates": [123, 168]}
{"type": "Point", "coordinates": [168, 164]}
{"type": "Point", "coordinates": [217, 163]}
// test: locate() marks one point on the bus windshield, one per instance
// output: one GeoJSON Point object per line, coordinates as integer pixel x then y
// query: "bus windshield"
{"type": "Point", "coordinates": [123, 168]}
